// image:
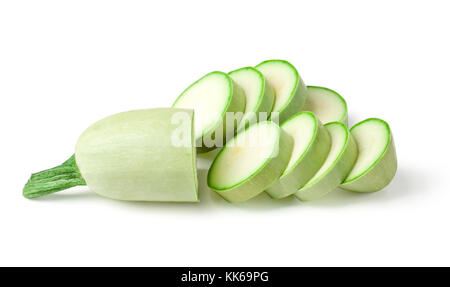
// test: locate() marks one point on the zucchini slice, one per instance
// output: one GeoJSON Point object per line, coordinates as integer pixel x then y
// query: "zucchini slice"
{"type": "Point", "coordinates": [337, 166]}
{"type": "Point", "coordinates": [311, 145]}
{"type": "Point", "coordinates": [259, 95]}
{"type": "Point", "coordinates": [326, 104]}
{"type": "Point", "coordinates": [250, 162]}
{"type": "Point", "coordinates": [290, 91]}
{"type": "Point", "coordinates": [212, 97]}
{"type": "Point", "coordinates": [376, 164]}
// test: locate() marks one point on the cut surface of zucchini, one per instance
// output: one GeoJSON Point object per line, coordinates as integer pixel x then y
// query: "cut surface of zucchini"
{"type": "Point", "coordinates": [211, 97]}
{"type": "Point", "coordinates": [376, 164]}
{"type": "Point", "coordinates": [326, 104]}
{"type": "Point", "coordinates": [131, 156]}
{"type": "Point", "coordinates": [311, 145]}
{"type": "Point", "coordinates": [250, 162]}
{"type": "Point", "coordinates": [290, 91]}
{"type": "Point", "coordinates": [259, 95]}
{"type": "Point", "coordinates": [339, 162]}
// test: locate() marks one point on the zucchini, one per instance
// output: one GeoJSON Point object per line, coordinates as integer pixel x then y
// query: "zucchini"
{"type": "Point", "coordinates": [259, 95]}
{"type": "Point", "coordinates": [311, 145]}
{"type": "Point", "coordinates": [326, 104]}
{"type": "Point", "coordinates": [250, 162]}
{"type": "Point", "coordinates": [143, 155]}
{"type": "Point", "coordinates": [337, 166]}
{"type": "Point", "coordinates": [376, 164]}
{"type": "Point", "coordinates": [214, 98]}
{"type": "Point", "coordinates": [290, 91]}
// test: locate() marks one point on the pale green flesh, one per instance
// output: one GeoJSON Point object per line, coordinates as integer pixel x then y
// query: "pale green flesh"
{"type": "Point", "coordinates": [311, 146]}
{"type": "Point", "coordinates": [290, 92]}
{"type": "Point", "coordinates": [283, 80]}
{"type": "Point", "coordinates": [252, 84]}
{"type": "Point", "coordinates": [211, 98]}
{"type": "Point", "coordinates": [326, 104]}
{"type": "Point", "coordinates": [372, 139]}
{"type": "Point", "coordinates": [242, 158]}
{"type": "Point", "coordinates": [131, 156]}
{"type": "Point", "coordinates": [250, 162]}
{"type": "Point", "coordinates": [376, 164]}
{"type": "Point", "coordinates": [258, 93]}
{"type": "Point", "coordinates": [340, 160]}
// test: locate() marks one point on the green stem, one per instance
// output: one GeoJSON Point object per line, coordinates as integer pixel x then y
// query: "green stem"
{"type": "Point", "coordinates": [53, 180]}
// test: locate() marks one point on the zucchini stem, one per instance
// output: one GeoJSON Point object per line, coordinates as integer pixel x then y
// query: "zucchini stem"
{"type": "Point", "coordinates": [55, 179]}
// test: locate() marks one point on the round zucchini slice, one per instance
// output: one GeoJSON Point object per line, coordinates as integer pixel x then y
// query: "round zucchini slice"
{"type": "Point", "coordinates": [250, 162]}
{"type": "Point", "coordinates": [376, 164]}
{"type": "Point", "coordinates": [339, 162]}
{"type": "Point", "coordinates": [290, 91]}
{"type": "Point", "coordinates": [326, 104]}
{"type": "Point", "coordinates": [311, 145]}
{"type": "Point", "coordinates": [259, 95]}
{"type": "Point", "coordinates": [212, 97]}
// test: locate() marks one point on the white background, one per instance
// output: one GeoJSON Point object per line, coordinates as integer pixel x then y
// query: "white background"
{"type": "Point", "coordinates": [67, 64]}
